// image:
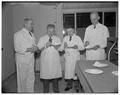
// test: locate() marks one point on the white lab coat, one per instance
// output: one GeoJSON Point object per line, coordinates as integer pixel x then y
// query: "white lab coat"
{"type": "Point", "coordinates": [97, 36]}
{"type": "Point", "coordinates": [71, 55]}
{"type": "Point", "coordinates": [24, 61]}
{"type": "Point", "coordinates": [50, 66]}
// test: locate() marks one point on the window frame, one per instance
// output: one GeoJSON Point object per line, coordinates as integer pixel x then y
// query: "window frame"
{"type": "Point", "coordinates": [74, 19]}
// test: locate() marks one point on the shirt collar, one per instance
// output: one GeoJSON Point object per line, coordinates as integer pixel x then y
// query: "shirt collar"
{"type": "Point", "coordinates": [27, 31]}
{"type": "Point", "coordinates": [51, 36]}
{"type": "Point", "coordinates": [73, 35]}
{"type": "Point", "coordinates": [96, 24]}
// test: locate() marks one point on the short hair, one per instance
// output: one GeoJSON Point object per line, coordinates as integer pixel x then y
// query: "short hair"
{"type": "Point", "coordinates": [50, 26]}
{"type": "Point", "coordinates": [27, 20]}
{"type": "Point", "coordinates": [69, 27]}
{"type": "Point", "coordinates": [96, 13]}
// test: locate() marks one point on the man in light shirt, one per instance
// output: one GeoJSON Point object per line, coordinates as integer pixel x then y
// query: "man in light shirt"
{"type": "Point", "coordinates": [24, 44]}
{"type": "Point", "coordinates": [95, 39]}
{"type": "Point", "coordinates": [71, 44]}
{"type": "Point", "coordinates": [50, 66]}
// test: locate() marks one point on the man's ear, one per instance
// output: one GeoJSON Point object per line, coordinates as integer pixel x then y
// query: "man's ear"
{"type": "Point", "coordinates": [98, 17]}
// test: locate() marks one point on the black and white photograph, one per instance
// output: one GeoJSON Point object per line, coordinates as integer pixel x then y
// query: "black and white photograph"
{"type": "Point", "coordinates": [61, 47]}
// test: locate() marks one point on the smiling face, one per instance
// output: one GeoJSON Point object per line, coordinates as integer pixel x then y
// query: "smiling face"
{"type": "Point", "coordinates": [94, 17]}
{"type": "Point", "coordinates": [50, 31]}
{"type": "Point", "coordinates": [29, 25]}
{"type": "Point", "coordinates": [70, 31]}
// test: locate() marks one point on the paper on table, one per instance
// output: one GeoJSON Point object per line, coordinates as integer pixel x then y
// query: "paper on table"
{"type": "Point", "coordinates": [55, 43]}
{"type": "Point", "coordinates": [115, 73]}
{"type": "Point", "coordinates": [94, 71]}
{"type": "Point", "coordinates": [99, 64]}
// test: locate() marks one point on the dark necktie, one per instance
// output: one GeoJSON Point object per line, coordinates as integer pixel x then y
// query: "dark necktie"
{"type": "Point", "coordinates": [70, 38]}
{"type": "Point", "coordinates": [50, 39]}
{"type": "Point", "coordinates": [94, 26]}
{"type": "Point", "coordinates": [30, 34]}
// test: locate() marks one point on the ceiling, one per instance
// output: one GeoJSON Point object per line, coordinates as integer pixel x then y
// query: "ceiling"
{"type": "Point", "coordinates": [89, 5]}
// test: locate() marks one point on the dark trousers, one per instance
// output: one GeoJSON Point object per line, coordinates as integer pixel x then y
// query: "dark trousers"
{"type": "Point", "coordinates": [77, 84]}
{"type": "Point", "coordinates": [70, 83]}
{"type": "Point", "coordinates": [46, 83]}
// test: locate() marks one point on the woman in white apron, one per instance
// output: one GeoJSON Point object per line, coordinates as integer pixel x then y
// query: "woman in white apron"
{"type": "Point", "coordinates": [50, 67]}
{"type": "Point", "coordinates": [71, 44]}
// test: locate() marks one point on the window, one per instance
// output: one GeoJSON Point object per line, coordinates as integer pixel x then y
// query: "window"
{"type": "Point", "coordinates": [109, 19]}
{"type": "Point", "coordinates": [68, 19]}
{"type": "Point", "coordinates": [83, 20]}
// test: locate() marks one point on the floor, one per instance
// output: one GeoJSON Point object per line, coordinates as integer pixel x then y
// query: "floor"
{"type": "Point", "coordinates": [10, 86]}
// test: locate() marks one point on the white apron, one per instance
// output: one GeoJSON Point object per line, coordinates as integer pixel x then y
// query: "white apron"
{"type": "Point", "coordinates": [71, 55]}
{"type": "Point", "coordinates": [24, 61]}
{"type": "Point", "coordinates": [98, 54]}
{"type": "Point", "coordinates": [50, 66]}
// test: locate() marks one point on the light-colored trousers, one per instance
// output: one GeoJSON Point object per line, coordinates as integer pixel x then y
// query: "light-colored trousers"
{"type": "Point", "coordinates": [25, 73]}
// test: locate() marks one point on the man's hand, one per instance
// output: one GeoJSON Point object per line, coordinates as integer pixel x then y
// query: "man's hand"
{"type": "Point", "coordinates": [35, 48]}
{"type": "Point", "coordinates": [65, 45]}
{"type": "Point", "coordinates": [86, 43]}
{"type": "Point", "coordinates": [32, 49]}
{"type": "Point", "coordinates": [56, 46]}
{"type": "Point", "coordinates": [93, 48]}
{"type": "Point", "coordinates": [96, 47]}
{"type": "Point", "coordinates": [48, 44]}
{"type": "Point", "coordinates": [75, 47]}
{"type": "Point", "coordinates": [42, 49]}
{"type": "Point", "coordinates": [29, 49]}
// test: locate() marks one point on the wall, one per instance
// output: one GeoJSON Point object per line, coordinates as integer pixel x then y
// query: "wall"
{"type": "Point", "coordinates": [8, 61]}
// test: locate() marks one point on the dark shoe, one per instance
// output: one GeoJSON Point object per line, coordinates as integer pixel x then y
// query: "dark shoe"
{"type": "Point", "coordinates": [56, 91]}
{"type": "Point", "coordinates": [68, 88]}
{"type": "Point", "coordinates": [76, 86]}
{"type": "Point", "coordinates": [77, 90]}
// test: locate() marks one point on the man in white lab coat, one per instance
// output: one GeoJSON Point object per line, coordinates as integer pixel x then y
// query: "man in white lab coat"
{"type": "Point", "coordinates": [24, 44]}
{"type": "Point", "coordinates": [50, 66]}
{"type": "Point", "coordinates": [71, 44]}
{"type": "Point", "coordinates": [95, 39]}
